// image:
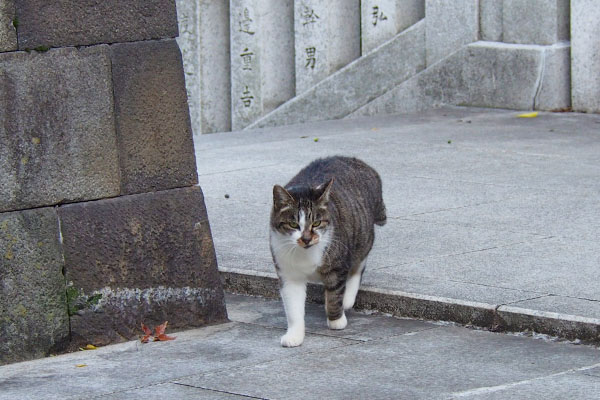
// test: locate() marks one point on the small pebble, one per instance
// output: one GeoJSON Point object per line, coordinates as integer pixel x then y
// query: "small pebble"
{"type": "Point", "coordinates": [226, 196]}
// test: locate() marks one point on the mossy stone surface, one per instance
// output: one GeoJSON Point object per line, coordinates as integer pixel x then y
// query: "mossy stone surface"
{"type": "Point", "coordinates": [33, 310]}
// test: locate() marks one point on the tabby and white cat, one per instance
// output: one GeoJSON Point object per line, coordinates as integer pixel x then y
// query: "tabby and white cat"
{"type": "Point", "coordinates": [322, 229]}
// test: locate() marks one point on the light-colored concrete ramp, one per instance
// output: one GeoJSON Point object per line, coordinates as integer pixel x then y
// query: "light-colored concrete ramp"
{"type": "Point", "coordinates": [493, 220]}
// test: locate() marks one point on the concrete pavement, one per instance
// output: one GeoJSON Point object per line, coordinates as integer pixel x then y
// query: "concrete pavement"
{"type": "Point", "coordinates": [376, 357]}
{"type": "Point", "coordinates": [493, 220]}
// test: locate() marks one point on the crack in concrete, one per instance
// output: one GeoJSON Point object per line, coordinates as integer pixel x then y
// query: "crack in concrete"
{"type": "Point", "coordinates": [466, 225]}
{"type": "Point", "coordinates": [492, 389]}
{"type": "Point", "coordinates": [449, 209]}
{"type": "Point", "coordinates": [220, 391]}
{"type": "Point", "coordinates": [540, 79]}
{"type": "Point", "coordinates": [239, 169]}
{"type": "Point", "coordinates": [434, 256]}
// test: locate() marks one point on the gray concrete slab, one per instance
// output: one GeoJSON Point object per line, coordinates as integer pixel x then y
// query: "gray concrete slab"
{"type": "Point", "coordinates": [133, 364]}
{"type": "Point", "coordinates": [363, 327]}
{"type": "Point", "coordinates": [377, 356]}
{"type": "Point", "coordinates": [505, 212]}
{"type": "Point", "coordinates": [438, 363]}
{"type": "Point", "coordinates": [543, 266]}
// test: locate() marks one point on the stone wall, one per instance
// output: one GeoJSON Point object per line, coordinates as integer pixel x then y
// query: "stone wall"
{"type": "Point", "coordinates": [101, 224]}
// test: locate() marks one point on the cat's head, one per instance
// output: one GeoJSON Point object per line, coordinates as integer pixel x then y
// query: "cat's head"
{"type": "Point", "coordinates": [301, 213]}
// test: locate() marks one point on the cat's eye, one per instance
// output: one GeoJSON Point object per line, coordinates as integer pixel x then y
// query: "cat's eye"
{"type": "Point", "coordinates": [316, 223]}
{"type": "Point", "coordinates": [293, 225]}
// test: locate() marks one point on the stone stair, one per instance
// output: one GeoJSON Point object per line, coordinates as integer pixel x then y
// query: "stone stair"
{"type": "Point", "coordinates": [357, 84]}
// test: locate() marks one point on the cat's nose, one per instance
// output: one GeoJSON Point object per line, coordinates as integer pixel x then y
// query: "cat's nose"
{"type": "Point", "coordinates": [306, 240]}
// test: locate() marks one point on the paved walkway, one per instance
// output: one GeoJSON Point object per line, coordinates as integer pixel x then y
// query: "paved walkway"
{"type": "Point", "coordinates": [376, 357]}
{"type": "Point", "coordinates": [494, 220]}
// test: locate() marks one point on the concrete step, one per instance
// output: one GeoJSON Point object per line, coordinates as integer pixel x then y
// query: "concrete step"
{"type": "Point", "coordinates": [493, 317]}
{"type": "Point", "coordinates": [356, 84]}
{"type": "Point", "coordinates": [510, 76]}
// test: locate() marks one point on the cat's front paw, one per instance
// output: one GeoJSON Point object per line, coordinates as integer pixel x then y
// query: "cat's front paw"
{"type": "Point", "coordinates": [339, 323]}
{"type": "Point", "coordinates": [292, 339]}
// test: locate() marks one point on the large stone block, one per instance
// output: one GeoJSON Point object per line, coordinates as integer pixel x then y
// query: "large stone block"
{"type": "Point", "coordinates": [8, 34]}
{"type": "Point", "coordinates": [482, 74]}
{"type": "Point", "coordinates": [262, 69]}
{"type": "Point", "coordinates": [59, 23]}
{"type": "Point", "coordinates": [535, 21]}
{"type": "Point", "coordinates": [57, 131]}
{"type": "Point", "coordinates": [156, 148]}
{"type": "Point", "coordinates": [140, 258]}
{"type": "Point", "coordinates": [490, 20]}
{"type": "Point", "coordinates": [383, 19]}
{"type": "Point", "coordinates": [356, 84]}
{"type": "Point", "coordinates": [585, 52]}
{"type": "Point", "coordinates": [33, 307]}
{"type": "Point", "coordinates": [450, 25]}
{"type": "Point", "coordinates": [327, 38]}
{"type": "Point", "coordinates": [204, 42]}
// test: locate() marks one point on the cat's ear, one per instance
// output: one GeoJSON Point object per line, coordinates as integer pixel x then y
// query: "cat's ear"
{"type": "Point", "coordinates": [323, 190]}
{"type": "Point", "coordinates": [281, 197]}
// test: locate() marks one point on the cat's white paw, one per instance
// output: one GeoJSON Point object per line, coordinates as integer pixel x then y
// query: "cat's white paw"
{"type": "Point", "coordinates": [339, 323]}
{"type": "Point", "coordinates": [292, 339]}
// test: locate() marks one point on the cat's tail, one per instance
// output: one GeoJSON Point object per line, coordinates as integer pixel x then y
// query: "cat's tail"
{"type": "Point", "coordinates": [380, 214]}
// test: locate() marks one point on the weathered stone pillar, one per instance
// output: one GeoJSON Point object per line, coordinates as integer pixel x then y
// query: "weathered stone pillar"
{"type": "Point", "coordinates": [542, 22]}
{"type": "Point", "coordinates": [383, 19]}
{"type": "Point", "coordinates": [204, 42]}
{"type": "Point", "coordinates": [327, 37]}
{"type": "Point", "coordinates": [262, 73]}
{"type": "Point", "coordinates": [585, 55]}
{"type": "Point", "coordinates": [101, 226]}
{"type": "Point", "coordinates": [490, 19]}
{"type": "Point", "coordinates": [449, 26]}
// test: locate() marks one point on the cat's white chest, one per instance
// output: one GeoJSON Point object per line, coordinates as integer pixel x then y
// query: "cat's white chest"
{"type": "Point", "coordinates": [294, 261]}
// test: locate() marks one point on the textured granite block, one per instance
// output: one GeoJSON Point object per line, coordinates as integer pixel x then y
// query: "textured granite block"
{"type": "Point", "coordinates": [585, 53]}
{"type": "Point", "coordinates": [535, 21]}
{"type": "Point", "coordinates": [57, 131]}
{"type": "Point", "coordinates": [356, 84]}
{"type": "Point", "coordinates": [33, 307]}
{"type": "Point", "coordinates": [204, 42]}
{"type": "Point", "coordinates": [450, 25]}
{"type": "Point", "coordinates": [8, 33]}
{"type": "Point", "coordinates": [262, 69]}
{"type": "Point", "coordinates": [59, 23]}
{"type": "Point", "coordinates": [156, 149]}
{"type": "Point", "coordinates": [490, 20]}
{"type": "Point", "coordinates": [327, 38]}
{"type": "Point", "coordinates": [383, 19]}
{"type": "Point", "coordinates": [554, 92]}
{"type": "Point", "coordinates": [140, 258]}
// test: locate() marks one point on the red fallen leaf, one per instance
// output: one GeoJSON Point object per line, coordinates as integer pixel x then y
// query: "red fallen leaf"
{"type": "Point", "coordinates": [159, 333]}
{"type": "Point", "coordinates": [159, 330]}
{"type": "Point", "coordinates": [147, 335]}
{"type": "Point", "coordinates": [164, 337]}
